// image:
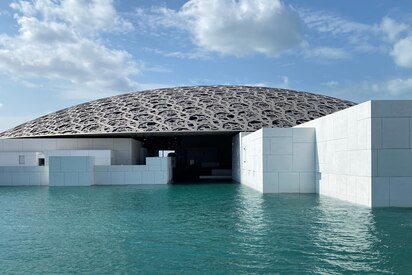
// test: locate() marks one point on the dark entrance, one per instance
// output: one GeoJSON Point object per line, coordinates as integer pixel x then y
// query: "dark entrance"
{"type": "Point", "coordinates": [196, 158]}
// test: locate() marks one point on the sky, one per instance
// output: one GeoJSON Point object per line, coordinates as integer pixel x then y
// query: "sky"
{"type": "Point", "coordinates": [59, 53]}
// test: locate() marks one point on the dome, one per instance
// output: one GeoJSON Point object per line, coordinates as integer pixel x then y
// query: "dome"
{"type": "Point", "coordinates": [181, 110]}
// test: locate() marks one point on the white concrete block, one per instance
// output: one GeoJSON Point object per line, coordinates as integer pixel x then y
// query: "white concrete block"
{"type": "Point", "coordinates": [277, 132]}
{"type": "Point", "coordinates": [21, 178]}
{"type": "Point", "coordinates": [103, 178]}
{"type": "Point", "coordinates": [363, 110]}
{"type": "Point", "coordinates": [84, 144]}
{"type": "Point", "coordinates": [100, 168]}
{"type": "Point", "coordinates": [140, 168]}
{"type": "Point", "coordinates": [281, 146]}
{"type": "Point", "coordinates": [159, 177]}
{"type": "Point", "coordinates": [304, 134]}
{"type": "Point", "coordinates": [57, 179]}
{"type": "Point", "coordinates": [148, 177]}
{"type": "Point", "coordinates": [376, 133]}
{"type": "Point", "coordinates": [6, 178]}
{"type": "Point", "coordinates": [123, 144]}
{"type": "Point", "coordinates": [380, 192]}
{"type": "Point", "coordinates": [66, 144]}
{"type": "Point", "coordinates": [278, 163]}
{"type": "Point", "coordinates": [85, 179]}
{"type": "Point", "coordinates": [270, 182]}
{"type": "Point", "coordinates": [395, 132]}
{"type": "Point", "coordinates": [133, 177]}
{"type": "Point", "coordinates": [392, 108]}
{"type": "Point", "coordinates": [307, 183]}
{"type": "Point", "coordinates": [153, 161]}
{"type": "Point", "coordinates": [362, 134]}
{"type": "Point", "coordinates": [103, 144]}
{"type": "Point", "coordinates": [154, 167]}
{"type": "Point", "coordinates": [49, 144]}
{"type": "Point", "coordinates": [394, 163]}
{"type": "Point", "coordinates": [288, 182]}
{"type": "Point", "coordinates": [35, 178]}
{"type": "Point", "coordinates": [71, 178]}
{"type": "Point", "coordinates": [12, 145]}
{"type": "Point", "coordinates": [118, 178]}
{"type": "Point", "coordinates": [363, 191]}
{"type": "Point", "coordinates": [30, 145]}
{"type": "Point", "coordinates": [303, 157]}
{"type": "Point", "coordinates": [400, 191]}
{"type": "Point", "coordinates": [410, 132]}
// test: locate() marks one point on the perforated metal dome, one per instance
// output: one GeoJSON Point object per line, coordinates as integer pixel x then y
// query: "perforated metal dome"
{"type": "Point", "coordinates": [184, 109]}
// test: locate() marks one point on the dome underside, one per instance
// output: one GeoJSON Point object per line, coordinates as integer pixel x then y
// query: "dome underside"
{"type": "Point", "coordinates": [184, 109]}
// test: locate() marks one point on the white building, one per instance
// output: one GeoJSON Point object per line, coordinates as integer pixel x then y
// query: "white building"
{"type": "Point", "coordinates": [272, 140]}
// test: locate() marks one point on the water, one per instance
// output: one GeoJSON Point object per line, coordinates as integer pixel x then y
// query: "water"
{"type": "Point", "coordinates": [196, 229]}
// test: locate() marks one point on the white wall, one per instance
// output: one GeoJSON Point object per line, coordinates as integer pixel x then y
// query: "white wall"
{"type": "Point", "coordinates": [237, 156]}
{"type": "Point", "coordinates": [343, 154]}
{"type": "Point", "coordinates": [122, 147]}
{"type": "Point", "coordinates": [158, 170]}
{"type": "Point", "coordinates": [100, 157]}
{"type": "Point", "coordinates": [279, 160]}
{"type": "Point", "coordinates": [391, 153]}
{"type": "Point", "coordinates": [24, 175]}
{"type": "Point", "coordinates": [71, 171]}
{"type": "Point", "coordinates": [12, 158]}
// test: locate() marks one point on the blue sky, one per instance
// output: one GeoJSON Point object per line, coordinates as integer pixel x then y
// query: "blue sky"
{"type": "Point", "coordinates": [55, 54]}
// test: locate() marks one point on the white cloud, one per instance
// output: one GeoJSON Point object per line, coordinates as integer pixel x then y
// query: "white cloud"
{"type": "Point", "coordinates": [392, 29]}
{"type": "Point", "coordinates": [330, 84]}
{"type": "Point", "coordinates": [399, 86]}
{"type": "Point", "coordinates": [59, 41]}
{"type": "Point", "coordinates": [325, 22]}
{"type": "Point", "coordinates": [395, 88]}
{"type": "Point", "coordinates": [326, 53]}
{"type": "Point", "coordinates": [402, 52]}
{"type": "Point", "coordinates": [236, 27]}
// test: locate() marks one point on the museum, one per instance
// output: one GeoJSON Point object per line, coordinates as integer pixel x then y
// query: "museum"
{"type": "Point", "coordinates": [272, 140]}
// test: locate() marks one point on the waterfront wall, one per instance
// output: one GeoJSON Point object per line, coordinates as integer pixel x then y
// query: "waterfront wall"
{"type": "Point", "coordinates": [158, 170]}
{"type": "Point", "coordinates": [125, 150]}
{"type": "Point", "coordinates": [279, 160]}
{"type": "Point", "coordinates": [364, 153]}
{"type": "Point", "coordinates": [343, 154]}
{"type": "Point", "coordinates": [81, 171]}
{"type": "Point", "coordinates": [24, 175]}
{"type": "Point", "coordinates": [71, 171]}
{"type": "Point", "coordinates": [391, 144]}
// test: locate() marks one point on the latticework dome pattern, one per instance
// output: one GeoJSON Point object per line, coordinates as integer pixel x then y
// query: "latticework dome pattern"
{"type": "Point", "coordinates": [184, 109]}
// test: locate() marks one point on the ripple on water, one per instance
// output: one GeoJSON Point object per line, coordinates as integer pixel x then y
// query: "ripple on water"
{"type": "Point", "coordinates": [185, 229]}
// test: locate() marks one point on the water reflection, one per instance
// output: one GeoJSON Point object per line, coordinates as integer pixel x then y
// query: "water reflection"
{"type": "Point", "coordinates": [213, 229]}
{"type": "Point", "coordinates": [344, 236]}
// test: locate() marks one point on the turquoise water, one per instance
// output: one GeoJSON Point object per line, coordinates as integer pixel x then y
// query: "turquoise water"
{"type": "Point", "coordinates": [196, 229]}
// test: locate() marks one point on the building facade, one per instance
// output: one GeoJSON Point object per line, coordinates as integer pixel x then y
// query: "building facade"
{"type": "Point", "coordinates": [272, 140]}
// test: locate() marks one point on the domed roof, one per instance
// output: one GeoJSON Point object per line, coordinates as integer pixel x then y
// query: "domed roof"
{"type": "Point", "coordinates": [184, 109]}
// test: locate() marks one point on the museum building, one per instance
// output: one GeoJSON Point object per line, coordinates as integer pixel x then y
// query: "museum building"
{"type": "Point", "coordinates": [272, 140]}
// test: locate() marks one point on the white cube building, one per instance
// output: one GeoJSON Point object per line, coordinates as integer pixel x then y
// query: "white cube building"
{"type": "Point", "coordinates": [272, 140]}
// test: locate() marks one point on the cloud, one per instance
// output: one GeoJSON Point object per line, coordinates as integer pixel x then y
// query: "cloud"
{"type": "Point", "coordinates": [402, 52]}
{"type": "Point", "coordinates": [235, 27]}
{"type": "Point", "coordinates": [399, 34]}
{"type": "Point", "coordinates": [330, 84]}
{"type": "Point", "coordinates": [399, 86]}
{"type": "Point", "coordinates": [60, 41]}
{"type": "Point", "coordinates": [395, 88]}
{"type": "Point", "coordinates": [392, 29]}
{"type": "Point", "coordinates": [1, 104]}
{"type": "Point", "coordinates": [326, 53]}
